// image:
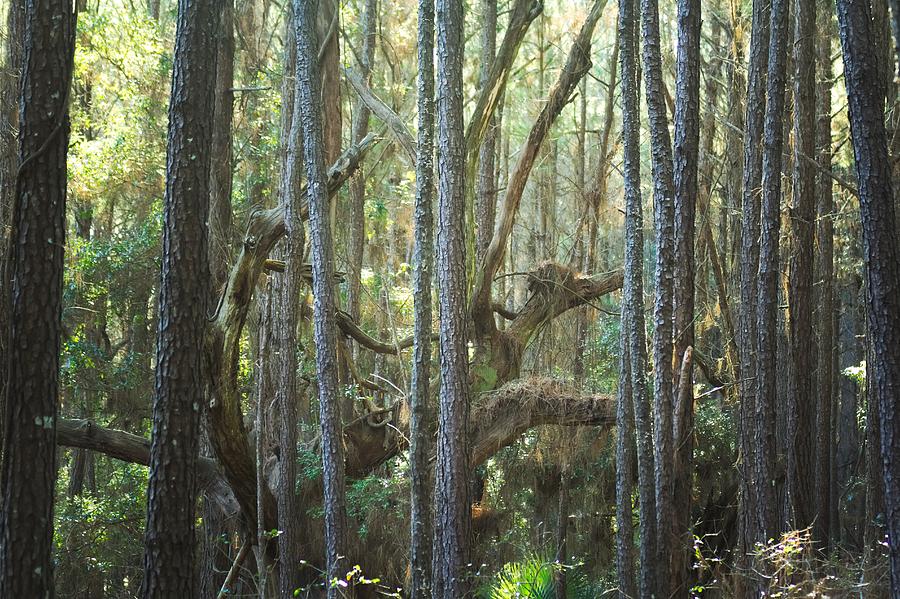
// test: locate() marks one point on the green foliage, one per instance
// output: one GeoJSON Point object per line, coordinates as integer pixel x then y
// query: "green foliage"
{"type": "Point", "coordinates": [856, 373]}
{"type": "Point", "coordinates": [310, 464]}
{"type": "Point", "coordinates": [98, 535]}
{"type": "Point", "coordinates": [534, 578]}
{"type": "Point", "coordinates": [484, 378]}
{"type": "Point", "coordinates": [602, 353]}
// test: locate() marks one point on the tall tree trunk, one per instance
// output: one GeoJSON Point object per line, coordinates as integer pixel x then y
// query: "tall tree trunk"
{"type": "Point", "coordinates": [873, 535]}
{"type": "Point", "coordinates": [687, 144]}
{"type": "Point", "coordinates": [625, 435]}
{"type": "Point", "coordinates": [769, 272]}
{"type": "Point", "coordinates": [633, 298]}
{"type": "Point", "coordinates": [183, 299]}
{"type": "Point", "coordinates": [421, 411]}
{"type": "Point", "coordinates": [801, 468]}
{"type": "Point", "coordinates": [36, 264]}
{"type": "Point", "coordinates": [287, 392]}
{"type": "Point", "coordinates": [882, 256]}
{"type": "Point", "coordinates": [264, 385]}
{"type": "Point", "coordinates": [824, 527]}
{"type": "Point", "coordinates": [213, 551]}
{"type": "Point", "coordinates": [664, 223]}
{"type": "Point", "coordinates": [452, 512]}
{"type": "Point", "coordinates": [625, 441]}
{"type": "Point", "coordinates": [358, 183]}
{"type": "Point", "coordinates": [847, 454]}
{"type": "Point", "coordinates": [9, 163]}
{"type": "Point", "coordinates": [309, 108]}
{"type": "Point", "coordinates": [736, 104]}
{"type": "Point", "coordinates": [750, 205]}
{"type": "Point", "coordinates": [579, 255]}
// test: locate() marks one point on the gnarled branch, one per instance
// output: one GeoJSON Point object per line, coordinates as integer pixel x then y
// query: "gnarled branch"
{"type": "Point", "coordinates": [497, 420]}
{"type": "Point", "coordinates": [555, 289]}
{"type": "Point", "coordinates": [85, 434]}
{"type": "Point", "coordinates": [506, 413]}
{"type": "Point", "coordinates": [227, 433]}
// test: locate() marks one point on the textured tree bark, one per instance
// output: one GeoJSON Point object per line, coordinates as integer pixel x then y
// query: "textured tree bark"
{"type": "Point", "coordinates": [801, 409]}
{"type": "Point", "coordinates": [421, 411]}
{"type": "Point", "coordinates": [452, 514]}
{"type": "Point", "coordinates": [36, 267]}
{"type": "Point", "coordinates": [180, 384]}
{"type": "Point", "coordinates": [737, 90]}
{"type": "Point", "coordinates": [664, 283]}
{"type": "Point", "coordinates": [687, 142]}
{"type": "Point", "coordinates": [881, 252]}
{"type": "Point", "coordinates": [264, 386]}
{"type": "Point", "coordinates": [750, 205]}
{"type": "Point", "coordinates": [632, 303]}
{"type": "Point", "coordinates": [873, 535]}
{"type": "Point", "coordinates": [360, 129]}
{"type": "Point", "coordinates": [9, 162]}
{"type": "Point", "coordinates": [309, 108]}
{"type": "Point", "coordinates": [579, 255]}
{"type": "Point", "coordinates": [624, 455]}
{"type": "Point", "coordinates": [287, 392]}
{"type": "Point", "coordinates": [825, 527]}
{"type": "Point", "coordinates": [769, 273]}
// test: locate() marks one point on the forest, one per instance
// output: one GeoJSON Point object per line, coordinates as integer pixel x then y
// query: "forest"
{"type": "Point", "coordinates": [439, 299]}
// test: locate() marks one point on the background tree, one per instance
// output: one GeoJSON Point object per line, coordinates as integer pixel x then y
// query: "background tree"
{"type": "Point", "coordinates": [9, 118]}
{"type": "Point", "coordinates": [801, 463]}
{"type": "Point", "coordinates": [749, 264]}
{"type": "Point", "coordinates": [287, 391]}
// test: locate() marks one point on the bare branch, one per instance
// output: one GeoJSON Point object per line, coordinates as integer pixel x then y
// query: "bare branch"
{"type": "Point", "coordinates": [577, 64]}
{"type": "Point", "coordinates": [524, 12]}
{"type": "Point", "coordinates": [85, 434]}
{"type": "Point", "coordinates": [396, 125]}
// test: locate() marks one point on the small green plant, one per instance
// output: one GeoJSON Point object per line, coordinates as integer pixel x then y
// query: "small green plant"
{"type": "Point", "coordinates": [535, 578]}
